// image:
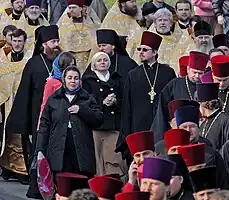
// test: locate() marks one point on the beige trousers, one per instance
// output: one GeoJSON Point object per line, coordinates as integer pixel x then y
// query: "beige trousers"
{"type": "Point", "coordinates": [107, 161]}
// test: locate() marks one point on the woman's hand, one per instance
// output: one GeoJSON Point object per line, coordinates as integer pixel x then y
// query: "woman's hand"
{"type": "Point", "coordinates": [110, 100]}
{"type": "Point", "coordinates": [74, 109]}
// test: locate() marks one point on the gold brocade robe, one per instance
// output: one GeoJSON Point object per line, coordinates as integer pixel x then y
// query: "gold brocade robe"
{"type": "Point", "coordinates": [77, 38]}
{"type": "Point", "coordinates": [172, 47]}
{"type": "Point", "coordinates": [11, 146]}
{"type": "Point", "coordinates": [124, 25]}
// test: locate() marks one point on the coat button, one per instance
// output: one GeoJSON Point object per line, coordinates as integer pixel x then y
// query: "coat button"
{"type": "Point", "coordinates": [101, 89]}
{"type": "Point", "coordinates": [112, 112]}
{"type": "Point", "coordinates": [98, 80]}
{"type": "Point", "coordinates": [112, 89]}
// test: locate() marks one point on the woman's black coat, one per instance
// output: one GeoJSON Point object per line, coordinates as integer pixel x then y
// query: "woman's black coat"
{"type": "Point", "coordinates": [100, 89]}
{"type": "Point", "coordinates": [54, 124]}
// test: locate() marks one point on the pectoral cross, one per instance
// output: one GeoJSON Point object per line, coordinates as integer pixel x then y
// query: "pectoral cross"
{"type": "Point", "coordinates": [152, 94]}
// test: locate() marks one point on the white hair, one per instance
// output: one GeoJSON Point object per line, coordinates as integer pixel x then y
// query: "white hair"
{"type": "Point", "coordinates": [163, 12]}
{"type": "Point", "coordinates": [94, 58]}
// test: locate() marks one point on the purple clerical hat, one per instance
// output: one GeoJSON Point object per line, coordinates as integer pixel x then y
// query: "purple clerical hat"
{"type": "Point", "coordinates": [207, 77]}
{"type": "Point", "coordinates": [158, 169]}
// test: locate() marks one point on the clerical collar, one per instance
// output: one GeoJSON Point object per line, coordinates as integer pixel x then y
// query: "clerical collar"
{"type": "Point", "coordinates": [150, 65]}
{"type": "Point", "coordinates": [183, 25]}
{"type": "Point", "coordinates": [33, 23]}
{"type": "Point", "coordinates": [15, 17]}
{"type": "Point", "coordinates": [214, 113]}
{"type": "Point", "coordinates": [77, 20]}
{"type": "Point", "coordinates": [178, 195]}
{"type": "Point", "coordinates": [17, 56]}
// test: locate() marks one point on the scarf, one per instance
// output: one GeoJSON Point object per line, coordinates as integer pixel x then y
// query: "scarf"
{"type": "Point", "coordinates": [72, 92]}
{"type": "Point", "coordinates": [57, 73]}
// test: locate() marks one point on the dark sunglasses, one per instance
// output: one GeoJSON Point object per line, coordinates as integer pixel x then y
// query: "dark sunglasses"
{"type": "Point", "coordinates": [143, 49]}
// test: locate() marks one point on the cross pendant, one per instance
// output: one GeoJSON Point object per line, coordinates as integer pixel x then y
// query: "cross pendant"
{"type": "Point", "coordinates": [152, 95]}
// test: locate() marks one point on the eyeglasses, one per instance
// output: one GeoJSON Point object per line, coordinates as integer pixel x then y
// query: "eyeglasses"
{"type": "Point", "coordinates": [143, 49]}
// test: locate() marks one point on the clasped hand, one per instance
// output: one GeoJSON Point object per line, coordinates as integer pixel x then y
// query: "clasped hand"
{"type": "Point", "coordinates": [74, 109]}
{"type": "Point", "coordinates": [110, 100]}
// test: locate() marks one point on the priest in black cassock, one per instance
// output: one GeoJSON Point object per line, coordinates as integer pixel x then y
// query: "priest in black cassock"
{"type": "Point", "coordinates": [216, 125]}
{"type": "Point", "coordinates": [25, 111]}
{"type": "Point", "coordinates": [220, 72]}
{"type": "Point", "coordinates": [142, 89]}
{"type": "Point", "coordinates": [179, 88]}
{"type": "Point", "coordinates": [110, 43]}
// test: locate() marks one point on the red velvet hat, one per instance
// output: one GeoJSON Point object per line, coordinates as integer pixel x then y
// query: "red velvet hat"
{"type": "Point", "coordinates": [220, 66]}
{"type": "Point", "coordinates": [175, 104]}
{"type": "Point", "coordinates": [150, 39]}
{"type": "Point", "coordinates": [67, 182]}
{"type": "Point", "coordinates": [193, 154]}
{"type": "Point", "coordinates": [105, 187]}
{"type": "Point", "coordinates": [140, 141]}
{"type": "Point", "coordinates": [198, 60]}
{"type": "Point", "coordinates": [132, 196]}
{"type": "Point", "coordinates": [183, 64]}
{"type": "Point", "coordinates": [80, 3]}
{"type": "Point", "coordinates": [176, 137]}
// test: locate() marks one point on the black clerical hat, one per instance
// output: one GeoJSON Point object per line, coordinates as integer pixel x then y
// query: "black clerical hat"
{"type": "Point", "coordinates": [207, 91]}
{"type": "Point", "coordinates": [106, 36]}
{"type": "Point", "coordinates": [109, 36]}
{"type": "Point", "coordinates": [204, 178]}
{"type": "Point", "coordinates": [220, 40]}
{"type": "Point", "coordinates": [202, 28]}
{"type": "Point", "coordinates": [148, 8]}
{"type": "Point", "coordinates": [181, 169]}
{"type": "Point", "coordinates": [49, 32]}
{"type": "Point", "coordinates": [38, 42]}
{"type": "Point", "coordinates": [187, 114]}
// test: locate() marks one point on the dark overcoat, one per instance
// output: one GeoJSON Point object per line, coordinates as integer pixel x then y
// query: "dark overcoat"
{"type": "Point", "coordinates": [54, 125]}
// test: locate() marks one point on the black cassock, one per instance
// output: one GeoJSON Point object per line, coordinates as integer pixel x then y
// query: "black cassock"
{"type": "Point", "coordinates": [216, 129]}
{"type": "Point", "coordinates": [175, 89]}
{"type": "Point", "coordinates": [137, 112]}
{"type": "Point", "coordinates": [212, 157]}
{"type": "Point", "coordinates": [25, 111]}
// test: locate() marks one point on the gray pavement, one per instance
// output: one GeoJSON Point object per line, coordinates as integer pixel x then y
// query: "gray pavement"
{"type": "Point", "coordinates": [12, 190]}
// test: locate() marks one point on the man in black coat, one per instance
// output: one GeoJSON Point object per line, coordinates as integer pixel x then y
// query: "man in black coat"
{"type": "Point", "coordinates": [179, 88]}
{"type": "Point", "coordinates": [25, 111]}
{"type": "Point", "coordinates": [142, 89]}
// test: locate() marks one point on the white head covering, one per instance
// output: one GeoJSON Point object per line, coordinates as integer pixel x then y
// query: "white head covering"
{"type": "Point", "coordinates": [93, 61]}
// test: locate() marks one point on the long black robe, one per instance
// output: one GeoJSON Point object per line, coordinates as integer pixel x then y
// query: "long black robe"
{"type": "Point", "coordinates": [218, 133]}
{"type": "Point", "coordinates": [25, 111]}
{"type": "Point", "coordinates": [137, 112]}
{"type": "Point", "coordinates": [183, 195]}
{"type": "Point", "coordinates": [175, 89]}
{"type": "Point", "coordinates": [212, 157]}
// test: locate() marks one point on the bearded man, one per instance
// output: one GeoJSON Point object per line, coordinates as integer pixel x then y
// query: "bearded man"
{"type": "Point", "coordinates": [123, 17]}
{"type": "Point", "coordinates": [25, 111]}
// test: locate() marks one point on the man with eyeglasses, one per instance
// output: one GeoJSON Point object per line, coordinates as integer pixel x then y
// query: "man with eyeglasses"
{"type": "Point", "coordinates": [142, 89]}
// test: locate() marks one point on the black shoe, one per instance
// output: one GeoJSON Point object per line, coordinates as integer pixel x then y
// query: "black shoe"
{"type": "Point", "coordinates": [23, 179]}
{"type": "Point", "coordinates": [7, 174]}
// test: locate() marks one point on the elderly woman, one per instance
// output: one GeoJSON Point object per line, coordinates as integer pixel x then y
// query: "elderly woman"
{"type": "Point", "coordinates": [65, 132]}
{"type": "Point", "coordinates": [105, 87]}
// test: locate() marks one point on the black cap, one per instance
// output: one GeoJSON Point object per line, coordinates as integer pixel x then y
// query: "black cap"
{"type": "Point", "coordinates": [38, 42]}
{"type": "Point", "coordinates": [202, 28]}
{"type": "Point", "coordinates": [180, 170]}
{"type": "Point", "coordinates": [49, 33]}
{"type": "Point", "coordinates": [207, 91]}
{"type": "Point", "coordinates": [220, 40]}
{"type": "Point", "coordinates": [148, 8]}
{"type": "Point", "coordinates": [204, 179]}
{"type": "Point", "coordinates": [109, 36]}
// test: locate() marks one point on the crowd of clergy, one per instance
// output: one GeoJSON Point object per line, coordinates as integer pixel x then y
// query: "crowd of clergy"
{"type": "Point", "coordinates": [126, 103]}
